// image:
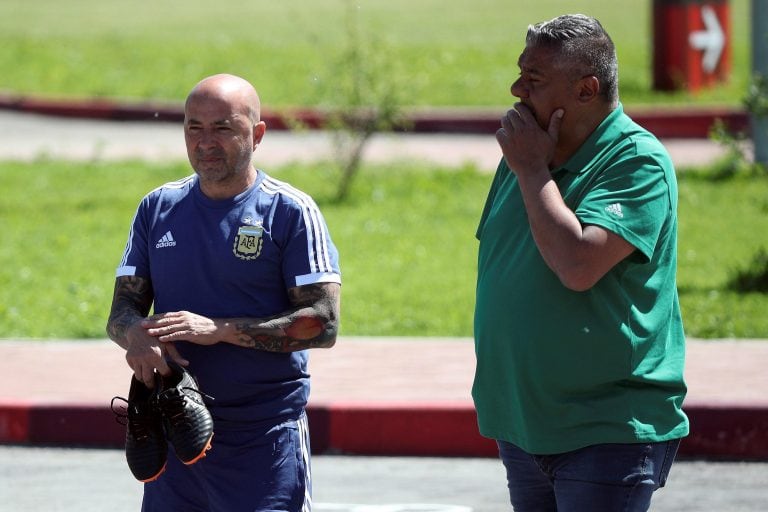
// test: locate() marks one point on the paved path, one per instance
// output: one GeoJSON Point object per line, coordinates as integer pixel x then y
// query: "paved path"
{"type": "Point", "coordinates": [30, 136]}
{"type": "Point", "coordinates": [359, 369]}
{"type": "Point", "coordinates": [391, 396]}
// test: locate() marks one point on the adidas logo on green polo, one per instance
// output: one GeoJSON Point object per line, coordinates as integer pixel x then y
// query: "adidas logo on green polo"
{"type": "Point", "coordinates": [615, 209]}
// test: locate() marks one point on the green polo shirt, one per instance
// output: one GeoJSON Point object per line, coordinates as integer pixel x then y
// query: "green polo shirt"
{"type": "Point", "coordinates": [558, 370]}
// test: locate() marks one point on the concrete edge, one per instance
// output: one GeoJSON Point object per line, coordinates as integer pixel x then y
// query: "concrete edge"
{"type": "Point", "coordinates": [691, 122]}
{"type": "Point", "coordinates": [394, 429]}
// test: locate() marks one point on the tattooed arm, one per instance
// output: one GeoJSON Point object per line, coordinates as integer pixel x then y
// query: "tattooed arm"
{"type": "Point", "coordinates": [131, 302]}
{"type": "Point", "coordinates": [312, 322]}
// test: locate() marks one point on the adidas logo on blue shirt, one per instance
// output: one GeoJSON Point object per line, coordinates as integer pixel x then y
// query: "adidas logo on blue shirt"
{"type": "Point", "coordinates": [166, 241]}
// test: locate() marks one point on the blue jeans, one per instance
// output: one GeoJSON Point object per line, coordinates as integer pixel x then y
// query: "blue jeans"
{"type": "Point", "coordinates": [603, 477]}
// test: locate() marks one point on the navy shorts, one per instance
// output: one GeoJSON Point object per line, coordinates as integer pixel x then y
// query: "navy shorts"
{"type": "Point", "coordinates": [256, 470]}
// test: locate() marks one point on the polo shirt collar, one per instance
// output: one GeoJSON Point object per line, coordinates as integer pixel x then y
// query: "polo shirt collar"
{"type": "Point", "coordinates": [604, 135]}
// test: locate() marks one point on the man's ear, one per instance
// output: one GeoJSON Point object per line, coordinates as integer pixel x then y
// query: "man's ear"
{"type": "Point", "coordinates": [588, 88]}
{"type": "Point", "coordinates": [258, 132]}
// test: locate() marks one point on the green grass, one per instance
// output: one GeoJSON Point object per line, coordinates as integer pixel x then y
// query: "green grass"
{"type": "Point", "coordinates": [452, 52]}
{"type": "Point", "coordinates": [722, 226]}
{"type": "Point", "coordinates": [62, 226]}
{"type": "Point", "coordinates": [406, 240]}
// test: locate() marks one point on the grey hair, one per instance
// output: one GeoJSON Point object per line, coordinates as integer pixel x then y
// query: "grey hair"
{"type": "Point", "coordinates": [585, 45]}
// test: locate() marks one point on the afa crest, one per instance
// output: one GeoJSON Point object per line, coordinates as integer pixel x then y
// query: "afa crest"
{"type": "Point", "coordinates": [248, 242]}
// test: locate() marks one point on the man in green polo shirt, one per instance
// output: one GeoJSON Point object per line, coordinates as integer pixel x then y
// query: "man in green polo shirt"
{"type": "Point", "coordinates": [578, 335]}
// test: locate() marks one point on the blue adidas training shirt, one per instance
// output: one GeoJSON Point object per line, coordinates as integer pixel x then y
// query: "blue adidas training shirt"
{"type": "Point", "coordinates": [234, 258]}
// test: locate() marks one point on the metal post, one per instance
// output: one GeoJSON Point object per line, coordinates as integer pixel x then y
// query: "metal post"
{"type": "Point", "coordinates": [760, 68]}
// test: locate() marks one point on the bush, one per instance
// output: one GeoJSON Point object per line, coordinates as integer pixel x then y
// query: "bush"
{"type": "Point", "coordinates": [753, 278]}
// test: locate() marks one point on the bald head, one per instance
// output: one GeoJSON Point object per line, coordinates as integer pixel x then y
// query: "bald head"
{"type": "Point", "coordinates": [222, 130]}
{"type": "Point", "coordinates": [230, 89]}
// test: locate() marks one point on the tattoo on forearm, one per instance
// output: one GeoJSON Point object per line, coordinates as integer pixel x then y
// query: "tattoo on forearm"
{"type": "Point", "coordinates": [312, 323]}
{"type": "Point", "coordinates": [132, 299]}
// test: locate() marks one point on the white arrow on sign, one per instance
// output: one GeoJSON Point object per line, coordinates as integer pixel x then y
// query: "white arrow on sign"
{"type": "Point", "coordinates": [711, 39]}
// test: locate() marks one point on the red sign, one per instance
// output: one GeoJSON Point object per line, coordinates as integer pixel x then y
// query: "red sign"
{"type": "Point", "coordinates": [691, 44]}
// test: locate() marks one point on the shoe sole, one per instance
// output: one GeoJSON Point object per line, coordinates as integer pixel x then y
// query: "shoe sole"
{"type": "Point", "coordinates": [202, 453]}
{"type": "Point", "coordinates": [155, 477]}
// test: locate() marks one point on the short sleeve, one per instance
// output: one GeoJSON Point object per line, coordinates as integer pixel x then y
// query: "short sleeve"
{"type": "Point", "coordinates": [309, 255]}
{"type": "Point", "coordinates": [135, 261]}
{"type": "Point", "coordinates": [631, 199]}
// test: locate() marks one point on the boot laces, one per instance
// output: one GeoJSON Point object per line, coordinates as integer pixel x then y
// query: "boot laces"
{"type": "Point", "coordinates": [140, 425]}
{"type": "Point", "coordinates": [174, 404]}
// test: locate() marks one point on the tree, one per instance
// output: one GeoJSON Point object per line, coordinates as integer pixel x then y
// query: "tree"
{"type": "Point", "coordinates": [363, 96]}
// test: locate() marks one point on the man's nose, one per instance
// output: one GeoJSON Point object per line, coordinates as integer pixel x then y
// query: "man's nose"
{"type": "Point", "coordinates": [517, 89]}
{"type": "Point", "coordinates": [206, 138]}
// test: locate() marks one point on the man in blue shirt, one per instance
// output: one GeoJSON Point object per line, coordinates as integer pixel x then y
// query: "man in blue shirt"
{"type": "Point", "coordinates": [242, 277]}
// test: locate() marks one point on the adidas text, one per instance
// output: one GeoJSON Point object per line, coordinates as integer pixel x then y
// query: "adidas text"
{"type": "Point", "coordinates": [166, 241]}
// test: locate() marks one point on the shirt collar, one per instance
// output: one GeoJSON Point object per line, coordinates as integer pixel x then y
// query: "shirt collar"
{"type": "Point", "coordinates": [604, 134]}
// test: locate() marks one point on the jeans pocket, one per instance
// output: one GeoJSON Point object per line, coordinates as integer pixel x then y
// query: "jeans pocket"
{"type": "Point", "coordinates": [669, 457]}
